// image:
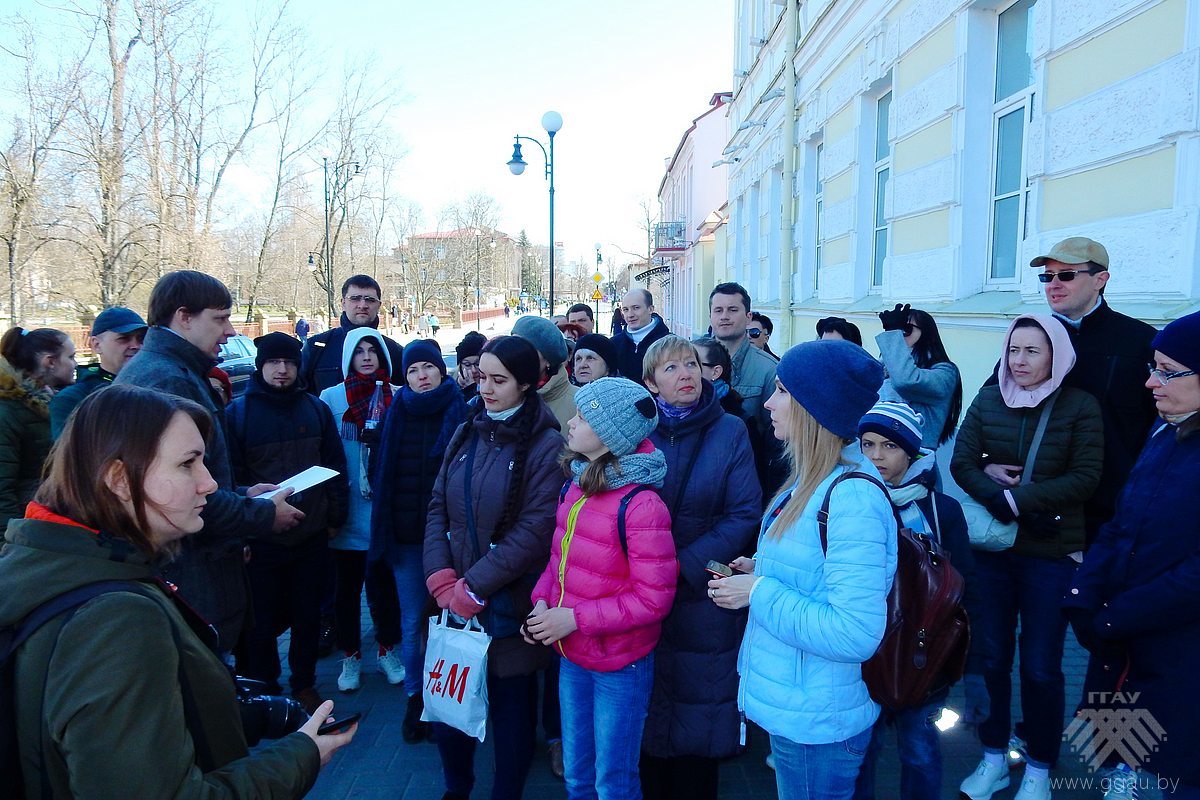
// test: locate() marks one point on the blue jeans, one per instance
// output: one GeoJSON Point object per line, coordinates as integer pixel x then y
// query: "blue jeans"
{"type": "Point", "coordinates": [1028, 589]}
{"type": "Point", "coordinates": [412, 594]}
{"type": "Point", "coordinates": [920, 754]}
{"type": "Point", "coordinates": [512, 713]}
{"type": "Point", "coordinates": [818, 771]}
{"type": "Point", "coordinates": [602, 715]}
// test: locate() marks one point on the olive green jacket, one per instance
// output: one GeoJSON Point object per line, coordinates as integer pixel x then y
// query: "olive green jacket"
{"type": "Point", "coordinates": [100, 709]}
{"type": "Point", "coordinates": [24, 439]}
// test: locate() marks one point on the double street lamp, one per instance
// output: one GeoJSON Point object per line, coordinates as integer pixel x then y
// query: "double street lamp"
{"type": "Point", "coordinates": [551, 123]}
{"type": "Point", "coordinates": [342, 175]}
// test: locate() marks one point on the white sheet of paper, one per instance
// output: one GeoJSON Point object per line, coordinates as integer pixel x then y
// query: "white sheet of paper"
{"type": "Point", "coordinates": [304, 480]}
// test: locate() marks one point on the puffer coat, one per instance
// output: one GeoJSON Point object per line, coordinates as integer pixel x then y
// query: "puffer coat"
{"type": "Point", "coordinates": [714, 516]}
{"type": "Point", "coordinates": [1067, 470]}
{"type": "Point", "coordinates": [24, 439]}
{"type": "Point", "coordinates": [619, 598]}
{"type": "Point", "coordinates": [500, 569]}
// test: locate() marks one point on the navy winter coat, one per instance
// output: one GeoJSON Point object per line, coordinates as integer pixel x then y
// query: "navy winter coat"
{"type": "Point", "coordinates": [715, 516]}
{"type": "Point", "coordinates": [1137, 594]}
{"type": "Point", "coordinates": [321, 361]}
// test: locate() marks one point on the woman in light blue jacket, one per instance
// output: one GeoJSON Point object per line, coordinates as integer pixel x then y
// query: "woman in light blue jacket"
{"type": "Point", "coordinates": [816, 615]}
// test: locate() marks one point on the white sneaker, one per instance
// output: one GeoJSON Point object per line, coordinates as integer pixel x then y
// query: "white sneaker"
{"type": "Point", "coordinates": [350, 680]}
{"type": "Point", "coordinates": [985, 781]}
{"type": "Point", "coordinates": [1120, 783]}
{"type": "Point", "coordinates": [1033, 788]}
{"type": "Point", "coordinates": [389, 664]}
{"type": "Point", "coordinates": [771, 760]}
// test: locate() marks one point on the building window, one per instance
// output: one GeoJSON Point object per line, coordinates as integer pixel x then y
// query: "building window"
{"type": "Point", "coordinates": [819, 212]}
{"type": "Point", "coordinates": [1010, 116]}
{"type": "Point", "coordinates": [883, 172]}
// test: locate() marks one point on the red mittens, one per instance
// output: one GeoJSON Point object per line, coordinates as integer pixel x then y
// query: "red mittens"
{"type": "Point", "coordinates": [441, 585]}
{"type": "Point", "coordinates": [462, 603]}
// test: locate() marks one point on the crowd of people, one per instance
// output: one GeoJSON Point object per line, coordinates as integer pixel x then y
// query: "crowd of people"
{"type": "Point", "coordinates": [670, 543]}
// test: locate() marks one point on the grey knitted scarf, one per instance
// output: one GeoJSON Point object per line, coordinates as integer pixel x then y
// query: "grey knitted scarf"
{"type": "Point", "coordinates": [648, 468]}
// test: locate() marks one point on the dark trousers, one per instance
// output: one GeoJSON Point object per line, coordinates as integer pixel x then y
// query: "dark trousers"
{"type": "Point", "coordinates": [285, 592]}
{"type": "Point", "coordinates": [1030, 590]}
{"type": "Point", "coordinates": [351, 570]}
{"type": "Point", "coordinates": [680, 778]}
{"type": "Point", "coordinates": [512, 712]}
{"type": "Point", "coordinates": [551, 710]}
{"type": "Point", "coordinates": [383, 603]}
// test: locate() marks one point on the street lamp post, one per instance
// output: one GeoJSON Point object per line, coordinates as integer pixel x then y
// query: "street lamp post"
{"type": "Point", "coordinates": [341, 176]}
{"type": "Point", "coordinates": [552, 124]}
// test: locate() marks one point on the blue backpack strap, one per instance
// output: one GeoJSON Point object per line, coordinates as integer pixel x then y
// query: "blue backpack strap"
{"type": "Point", "coordinates": [562, 493]}
{"type": "Point", "coordinates": [621, 515]}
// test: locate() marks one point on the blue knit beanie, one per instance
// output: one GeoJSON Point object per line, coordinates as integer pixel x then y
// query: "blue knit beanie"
{"type": "Point", "coordinates": [419, 350]}
{"type": "Point", "coordinates": [621, 412]}
{"type": "Point", "coordinates": [835, 381]}
{"type": "Point", "coordinates": [896, 422]}
{"type": "Point", "coordinates": [1180, 341]}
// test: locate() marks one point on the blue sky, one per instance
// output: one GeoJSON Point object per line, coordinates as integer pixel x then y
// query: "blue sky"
{"type": "Point", "coordinates": [628, 76]}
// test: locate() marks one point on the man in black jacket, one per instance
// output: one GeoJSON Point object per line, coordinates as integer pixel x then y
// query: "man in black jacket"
{"type": "Point", "coordinates": [189, 321]}
{"type": "Point", "coordinates": [643, 327]}
{"type": "Point", "coordinates": [1111, 354]}
{"type": "Point", "coordinates": [276, 429]}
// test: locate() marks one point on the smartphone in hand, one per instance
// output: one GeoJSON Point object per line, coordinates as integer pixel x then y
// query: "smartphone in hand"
{"type": "Point", "coordinates": [718, 570]}
{"type": "Point", "coordinates": [338, 725]}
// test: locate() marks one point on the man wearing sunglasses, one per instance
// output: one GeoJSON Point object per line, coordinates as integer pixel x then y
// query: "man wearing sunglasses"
{"type": "Point", "coordinates": [1111, 352]}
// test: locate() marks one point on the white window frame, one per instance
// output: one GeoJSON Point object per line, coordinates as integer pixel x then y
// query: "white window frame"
{"type": "Point", "coordinates": [1020, 100]}
{"type": "Point", "coordinates": [818, 210]}
{"type": "Point", "coordinates": [882, 165]}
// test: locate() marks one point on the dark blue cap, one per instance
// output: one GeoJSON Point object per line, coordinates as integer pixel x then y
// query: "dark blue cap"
{"type": "Point", "coordinates": [118, 320]}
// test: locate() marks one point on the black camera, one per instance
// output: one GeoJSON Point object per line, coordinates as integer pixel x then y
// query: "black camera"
{"type": "Point", "coordinates": [266, 716]}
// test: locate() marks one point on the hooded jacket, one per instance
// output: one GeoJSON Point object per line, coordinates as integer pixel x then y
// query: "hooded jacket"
{"type": "Point", "coordinates": [210, 570]}
{"type": "Point", "coordinates": [714, 514]}
{"type": "Point", "coordinates": [24, 439]}
{"type": "Point", "coordinates": [355, 534]}
{"type": "Point", "coordinates": [999, 428]}
{"type": "Point", "coordinates": [100, 692]}
{"type": "Point", "coordinates": [323, 353]}
{"type": "Point", "coordinates": [510, 564]}
{"type": "Point", "coordinates": [619, 597]}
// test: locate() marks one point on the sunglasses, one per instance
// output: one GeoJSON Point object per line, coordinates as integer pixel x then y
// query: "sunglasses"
{"type": "Point", "coordinates": [1066, 275]}
{"type": "Point", "coordinates": [909, 327]}
{"type": "Point", "coordinates": [754, 333]}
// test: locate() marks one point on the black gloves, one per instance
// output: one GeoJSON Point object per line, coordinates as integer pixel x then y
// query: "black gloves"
{"type": "Point", "coordinates": [896, 319]}
{"type": "Point", "coordinates": [997, 505]}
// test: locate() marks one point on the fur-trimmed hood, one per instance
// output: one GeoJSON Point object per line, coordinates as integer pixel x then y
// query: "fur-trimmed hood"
{"type": "Point", "coordinates": [15, 386]}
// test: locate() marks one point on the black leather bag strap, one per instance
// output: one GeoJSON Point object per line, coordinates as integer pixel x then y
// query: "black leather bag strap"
{"type": "Point", "coordinates": [823, 514]}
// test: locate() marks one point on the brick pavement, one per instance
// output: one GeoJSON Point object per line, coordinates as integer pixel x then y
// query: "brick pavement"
{"type": "Point", "coordinates": [378, 764]}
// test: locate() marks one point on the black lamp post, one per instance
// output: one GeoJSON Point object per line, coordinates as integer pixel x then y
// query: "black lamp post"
{"type": "Point", "coordinates": [341, 177]}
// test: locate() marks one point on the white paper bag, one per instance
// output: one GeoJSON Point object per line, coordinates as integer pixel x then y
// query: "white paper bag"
{"type": "Point", "coordinates": [455, 691]}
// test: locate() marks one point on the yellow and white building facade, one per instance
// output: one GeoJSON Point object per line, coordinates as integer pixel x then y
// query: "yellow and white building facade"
{"type": "Point", "coordinates": [923, 151]}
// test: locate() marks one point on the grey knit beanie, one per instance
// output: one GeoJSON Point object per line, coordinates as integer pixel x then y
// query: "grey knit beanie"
{"type": "Point", "coordinates": [621, 412]}
{"type": "Point", "coordinates": [545, 336]}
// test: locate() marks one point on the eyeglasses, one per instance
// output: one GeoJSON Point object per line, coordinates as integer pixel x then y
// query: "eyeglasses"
{"type": "Point", "coordinates": [362, 298]}
{"type": "Point", "coordinates": [1163, 377]}
{"type": "Point", "coordinates": [754, 333]}
{"type": "Point", "coordinates": [470, 364]}
{"type": "Point", "coordinates": [1066, 275]}
{"type": "Point", "coordinates": [909, 327]}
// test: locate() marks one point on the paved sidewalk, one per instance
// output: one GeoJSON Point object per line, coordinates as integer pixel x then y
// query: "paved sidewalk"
{"type": "Point", "coordinates": [378, 764]}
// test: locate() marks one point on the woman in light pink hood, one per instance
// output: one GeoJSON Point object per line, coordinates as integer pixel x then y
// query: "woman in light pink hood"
{"type": "Point", "coordinates": [1027, 582]}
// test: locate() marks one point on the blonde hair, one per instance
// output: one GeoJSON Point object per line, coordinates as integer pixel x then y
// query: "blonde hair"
{"type": "Point", "coordinates": [812, 452]}
{"type": "Point", "coordinates": [663, 350]}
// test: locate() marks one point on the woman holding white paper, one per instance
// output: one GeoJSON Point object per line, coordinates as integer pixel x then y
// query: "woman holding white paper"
{"type": "Point", "coordinates": [365, 363]}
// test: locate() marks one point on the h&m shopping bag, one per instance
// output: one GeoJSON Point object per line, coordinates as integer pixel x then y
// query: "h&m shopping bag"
{"type": "Point", "coordinates": [455, 691]}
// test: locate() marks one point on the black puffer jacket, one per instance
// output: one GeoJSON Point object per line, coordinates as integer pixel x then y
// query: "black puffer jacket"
{"type": "Point", "coordinates": [272, 436]}
{"type": "Point", "coordinates": [1065, 474]}
{"type": "Point", "coordinates": [714, 516]}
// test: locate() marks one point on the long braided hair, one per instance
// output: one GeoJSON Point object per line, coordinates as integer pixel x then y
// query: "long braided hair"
{"type": "Point", "coordinates": [520, 359]}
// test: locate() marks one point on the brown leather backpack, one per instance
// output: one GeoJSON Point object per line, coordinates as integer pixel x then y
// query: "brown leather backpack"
{"type": "Point", "coordinates": [924, 647]}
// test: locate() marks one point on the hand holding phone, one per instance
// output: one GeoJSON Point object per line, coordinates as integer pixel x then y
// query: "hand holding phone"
{"type": "Point", "coordinates": [338, 725]}
{"type": "Point", "coordinates": [718, 570]}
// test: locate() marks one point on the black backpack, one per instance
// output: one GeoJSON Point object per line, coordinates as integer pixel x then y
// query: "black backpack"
{"type": "Point", "coordinates": [924, 647]}
{"type": "Point", "coordinates": [11, 639]}
{"type": "Point", "coordinates": [621, 509]}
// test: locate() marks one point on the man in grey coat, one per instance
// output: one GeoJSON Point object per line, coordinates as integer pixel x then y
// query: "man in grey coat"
{"type": "Point", "coordinates": [189, 321]}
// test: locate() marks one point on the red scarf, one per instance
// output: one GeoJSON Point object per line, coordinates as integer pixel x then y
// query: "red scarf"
{"type": "Point", "coordinates": [359, 389]}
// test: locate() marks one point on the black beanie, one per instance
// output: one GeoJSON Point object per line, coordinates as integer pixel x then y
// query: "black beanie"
{"type": "Point", "coordinates": [276, 345]}
{"type": "Point", "coordinates": [602, 346]}
{"type": "Point", "coordinates": [419, 350]}
{"type": "Point", "coordinates": [471, 346]}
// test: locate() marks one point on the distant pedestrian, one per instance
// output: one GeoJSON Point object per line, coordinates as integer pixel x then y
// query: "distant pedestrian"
{"type": "Point", "coordinates": [618, 321]}
{"type": "Point", "coordinates": [35, 364]}
{"type": "Point", "coordinates": [416, 431]}
{"type": "Point", "coordinates": [507, 310]}
{"type": "Point", "coordinates": [434, 324]}
{"type": "Point", "coordinates": [116, 337]}
{"type": "Point", "coordinates": [276, 429]}
{"type": "Point", "coordinates": [302, 329]}
{"type": "Point", "coordinates": [612, 574]}
{"type": "Point", "coordinates": [919, 372]}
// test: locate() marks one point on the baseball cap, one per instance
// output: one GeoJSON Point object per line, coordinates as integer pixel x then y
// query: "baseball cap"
{"type": "Point", "coordinates": [118, 320]}
{"type": "Point", "coordinates": [1076, 250]}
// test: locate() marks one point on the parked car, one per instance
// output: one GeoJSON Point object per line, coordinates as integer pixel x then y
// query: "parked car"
{"type": "Point", "coordinates": [237, 359]}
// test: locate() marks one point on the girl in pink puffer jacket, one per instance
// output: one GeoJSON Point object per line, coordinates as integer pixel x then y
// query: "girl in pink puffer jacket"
{"type": "Point", "coordinates": [602, 598]}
